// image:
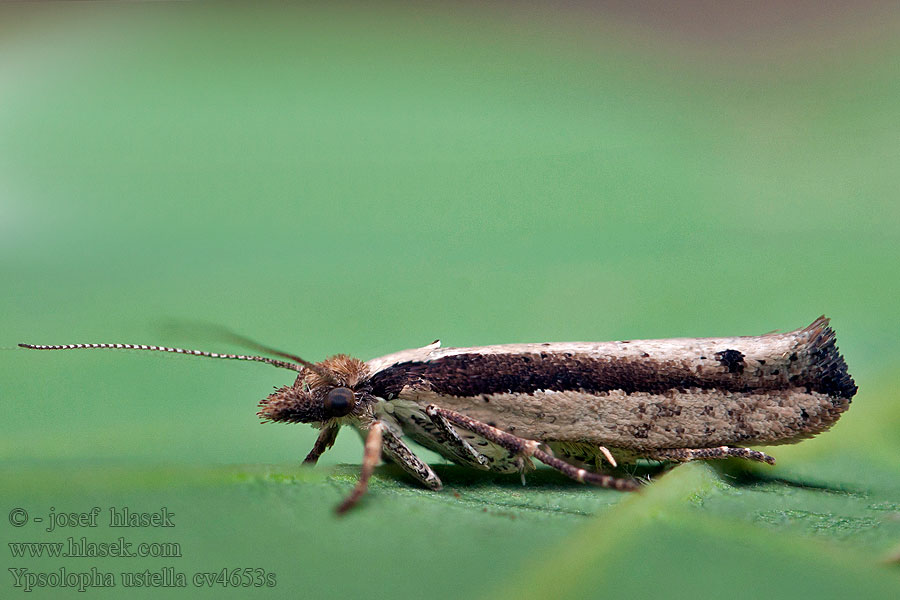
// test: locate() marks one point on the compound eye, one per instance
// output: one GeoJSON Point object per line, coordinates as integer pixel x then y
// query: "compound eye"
{"type": "Point", "coordinates": [339, 402]}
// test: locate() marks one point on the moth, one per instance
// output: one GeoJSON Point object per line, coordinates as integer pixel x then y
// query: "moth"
{"type": "Point", "coordinates": [573, 406]}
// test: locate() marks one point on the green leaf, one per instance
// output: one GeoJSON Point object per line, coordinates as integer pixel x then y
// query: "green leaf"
{"type": "Point", "coordinates": [364, 179]}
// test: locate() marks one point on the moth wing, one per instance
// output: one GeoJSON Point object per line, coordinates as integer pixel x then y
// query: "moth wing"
{"type": "Point", "coordinates": [381, 363]}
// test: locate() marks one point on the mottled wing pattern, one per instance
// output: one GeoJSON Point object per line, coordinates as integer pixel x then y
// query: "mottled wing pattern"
{"type": "Point", "coordinates": [689, 392]}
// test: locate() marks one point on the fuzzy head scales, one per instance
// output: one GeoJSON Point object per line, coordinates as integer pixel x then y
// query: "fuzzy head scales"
{"type": "Point", "coordinates": [305, 400]}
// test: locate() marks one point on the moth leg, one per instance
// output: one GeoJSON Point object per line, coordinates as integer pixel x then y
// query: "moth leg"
{"type": "Point", "coordinates": [608, 456]}
{"type": "Point", "coordinates": [380, 439]}
{"type": "Point", "coordinates": [530, 448]}
{"type": "Point", "coordinates": [689, 454]}
{"type": "Point", "coordinates": [401, 454]}
{"type": "Point", "coordinates": [371, 454]}
{"type": "Point", "coordinates": [323, 442]}
{"type": "Point", "coordinates": [448, 436]}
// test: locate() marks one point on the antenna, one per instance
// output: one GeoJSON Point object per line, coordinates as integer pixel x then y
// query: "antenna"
{"type": "Point", "coordinates": [274, 362]}
{"type": "Point", "coordinates": [250, 343]}
{"type": "Point", "coordinates": [223, 333]}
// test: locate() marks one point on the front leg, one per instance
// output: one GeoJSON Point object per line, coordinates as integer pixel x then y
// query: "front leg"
{"type": "Point", "coordinates": [530, 448]}
{"type": "Point", "coordinates": [323, 442]}
{"type": "Point", "coordinates": [401, 454]}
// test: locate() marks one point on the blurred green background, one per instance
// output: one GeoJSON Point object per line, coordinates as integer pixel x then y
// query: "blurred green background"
{"type": "Point", "coordinates": [358, 179]}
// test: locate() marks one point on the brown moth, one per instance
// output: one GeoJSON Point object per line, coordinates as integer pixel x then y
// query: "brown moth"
{"type": "Point", "coordinates": [570, 405]}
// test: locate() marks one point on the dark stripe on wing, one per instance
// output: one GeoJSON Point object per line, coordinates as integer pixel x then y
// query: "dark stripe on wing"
{"type": "Point", "coordinates": [476, 374]}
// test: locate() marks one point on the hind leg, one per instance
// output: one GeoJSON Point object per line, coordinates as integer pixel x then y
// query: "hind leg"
{"type": "Point", "coordinates": [689, 454]}
{"type": "Point", "coordinates": [530, 449]}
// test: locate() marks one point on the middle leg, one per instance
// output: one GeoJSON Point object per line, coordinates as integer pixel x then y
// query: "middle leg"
{"type": "Point", "coordinates": [381, 439]}
{"type": "Point", "coordinates": [448, 437]}
{"type": "Point", "coordinates": [530, 448]}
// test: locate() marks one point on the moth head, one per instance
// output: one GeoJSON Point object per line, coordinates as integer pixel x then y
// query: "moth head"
{"type": "Point", "coordinates": [323, 392]}
{"type": "Point", "coordinates": [333, 389]}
